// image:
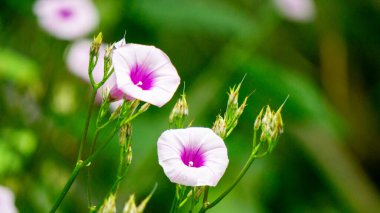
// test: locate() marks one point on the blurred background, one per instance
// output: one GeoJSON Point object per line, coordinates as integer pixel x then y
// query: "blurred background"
{"type": "Point", "coordinates": [324, 54]}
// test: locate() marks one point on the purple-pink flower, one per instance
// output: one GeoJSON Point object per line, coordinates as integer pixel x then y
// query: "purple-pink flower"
{"type": "Point", "coordinates": [194, 156]}
{"type": "Point", "coordinates": [144, 73]}
{"type": "Point", "coordinates": [67, 19]}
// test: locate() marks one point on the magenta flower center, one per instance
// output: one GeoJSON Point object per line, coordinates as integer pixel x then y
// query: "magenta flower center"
{"type": "Point", "coordinates": [193, 157]}
{"type": "Point", "coordinates": [65, 13]}
{"type": "Point", "coordinates": [142, 77]}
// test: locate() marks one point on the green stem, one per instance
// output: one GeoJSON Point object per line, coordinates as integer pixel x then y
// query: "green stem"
{"type": "Point", "coordinates": [73, 175]}
{"type": "Point", "coordinates": [120, 171]}
{"type": "Point", "coordinates": [193, 199]}
{"type": "Point", "coordinates": [173, 209]}
{"type": "Point", "coordinates": [251, 158]}
{"type": "Point", "coordinates": [79, 165]}
{"type": "Point", "coordinates": [93, 145]}
{"type": "Point", "coordinates": [93, 95]}
{"type": "Point", "coordinates": [205, 197]}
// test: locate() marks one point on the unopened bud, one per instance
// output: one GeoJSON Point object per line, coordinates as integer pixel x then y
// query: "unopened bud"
{"type": "Point", "coordinates": [134, 105]}
{"type": "Point", "coordinates": [239, 112]}
{"type": "Point", "coordinates": [257, 124]}
{"type": "Point", "coordinates": [267, 116]}
{"type": "Point", "coordinates": [104, 108]}
{"type": "Point", "coordinates": [279, 125]}
{"type": "Point", "coordinates": [109, 205]}
{"type": "Point", "coordinates": [129, 155]}
{"type": "Point", "coordinates": [95, 45]}
{"type": "Point", "coordinates": [233, 96]}
{"type": "Point", "coordinates": [130, 206]}
{"type": "Point", "coordinates": [107, 60]}
{"type": "Point", "coordinates": [125, 134]}
{"type": "Point", "coordinates": [179, 113]}
{"type": "Point", "coordinates": [220, 127]}
{"type": "Point", "coordinates": [144, 107]}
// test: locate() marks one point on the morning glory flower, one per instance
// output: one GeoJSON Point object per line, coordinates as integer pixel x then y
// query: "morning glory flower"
{"type": "Point", "coordinates": [144, 73]}
{"type": "Point", "coordinates": [7, 200]}
{"type": "Point", "coordinates": [67, 19]}
{"type": "Point", "coordinates": [296, 10]}
{"type": "Point", "coordinates": [194, 156]}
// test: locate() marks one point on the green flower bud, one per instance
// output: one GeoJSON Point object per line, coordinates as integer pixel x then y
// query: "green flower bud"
{"type": "Point", "coordinates": [257, 124]}
{"type": "Point", "coordinates": [130, 206]}
{"type": "Point", "coordinates": [108, 205]}
{"type": "Point", "coordinates": [144, 107]}
{"type": "Point", "coordinates": [104, 108]}
{"type": "Point", "coordinates": [95, 45]}
{"type": "Point", "coordinates": [220, 127]}
{"type": "Point", "coordinates": [129, 155]}
{"type": "Point", "coordinates": [179, 113]}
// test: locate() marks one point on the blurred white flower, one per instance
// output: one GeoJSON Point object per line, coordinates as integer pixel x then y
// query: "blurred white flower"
{"type": "Point", "coordinates": [77, 60]}
{"type": "Point", "coordinates": [67, 19]}
{"type": "Point", "coordinates": [7, 201]}
{"type": "Point", "coordinates": [194, 156]}
{"type": "Point", "coordinates": [296, 10]}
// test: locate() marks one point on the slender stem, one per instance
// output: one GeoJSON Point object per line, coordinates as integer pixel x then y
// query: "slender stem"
{"type": "Point", "coordinates": [80, 164]}
{"type": "Point", "coordinates": [73, 175]}
{"type": "Point", "coordinates": [93, 95]}
{"type": "Point", "coordinates": [120, 171]}
{"type": "Point", "coordinates": [174, 207]}
{"type": "Point", "coordinates": [93, 145]}
{"type": "Point", "coordinates": [193, 199]}
{"type": "Point", "coordinates": [242, 173]}
{"type": "Point", "coordinates": [251, 158]}
{"type": "Point", "coordinates": [205, 197]}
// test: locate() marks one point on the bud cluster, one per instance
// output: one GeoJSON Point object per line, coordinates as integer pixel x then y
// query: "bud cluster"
{"type": "Point", "coordinates": [223, 126]}
{"type": "Point", "coordinates": [108, 205]}
{"type": "Point", "coordinates": [271, 126]}
{"type": "Point", "coordinates": [179, 113]}
{"type": "Point", "coordinates": [131, 207]}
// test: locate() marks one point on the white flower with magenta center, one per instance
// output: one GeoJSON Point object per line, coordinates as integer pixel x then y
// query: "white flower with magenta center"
{"type": "Point", "coordinates": [194, 156]}
{"type": "Point", "coordinates": [145, 73]}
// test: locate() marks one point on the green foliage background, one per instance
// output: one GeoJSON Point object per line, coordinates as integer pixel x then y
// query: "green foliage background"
{"type": "Point", "coordinates": [327, 160]}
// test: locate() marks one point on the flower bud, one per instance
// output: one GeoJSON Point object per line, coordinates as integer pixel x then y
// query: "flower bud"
{"type": "Point", "coordinates": [107, 61]}
{"type": "Point", "coordinates": [130, 206]}
{"type": "Point", "coordinates": [95, 45]}
{"type": "Point", "coordinates": [257, 124]}
{"type": "Point", "coordinates": [232, 105]}
{"type": "Point", "coordinates": [179, 113]}
{"type": "Point", "coordinates": [125, 134]}
{"type": "Point", "coordinates": [104, 108]}
{"type": "Point", "coordinates": [271, 127]}
{"type": "Point", "coordinates": [129, 155]}
{"type": "Point", "coordinates": [109, 205]}
{"type": "Point", "coordinates": [220, 127]}
{"type": "Point", "coordinates": [144, 107]}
